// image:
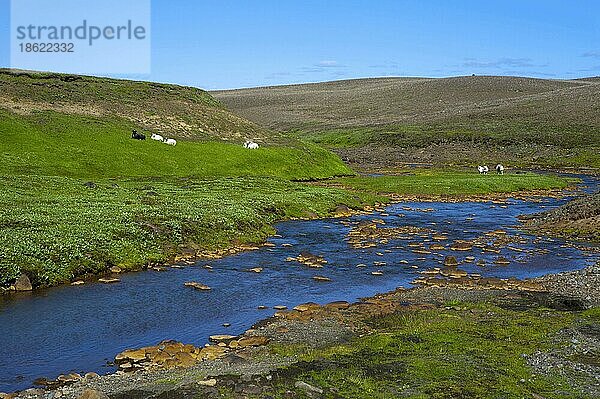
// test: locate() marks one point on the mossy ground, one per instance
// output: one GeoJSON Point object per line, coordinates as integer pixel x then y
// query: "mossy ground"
{"type": "Point", "coordinates": [464, 350]}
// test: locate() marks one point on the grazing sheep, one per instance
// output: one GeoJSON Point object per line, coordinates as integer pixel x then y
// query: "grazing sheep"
{"type": "Point", "coordinates": [137, 136]}
{"type": "Point", "coordinates": [157, 137]}
{"type": "Point", "coordinates": [500, 169]}
{"type": "Point", "coordinates": [172, 142]}
{"type": "Point", "coordinates": [251, 145]}
{"type": "Point", "coordinates": [481, 169]}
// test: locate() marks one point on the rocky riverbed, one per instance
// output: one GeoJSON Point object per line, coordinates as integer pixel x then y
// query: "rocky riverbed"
{"type": "Point", "coordinates": [272, 354]}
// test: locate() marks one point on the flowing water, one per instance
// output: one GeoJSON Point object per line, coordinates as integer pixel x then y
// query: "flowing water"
{"type": "Point", "coordinates": [80, 329]}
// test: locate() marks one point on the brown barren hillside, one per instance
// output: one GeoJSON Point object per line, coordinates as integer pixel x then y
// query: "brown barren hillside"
{"type": "Point", "coordinates": [382, 101]}
{"type": "Point", "coordinates": [470, 116]}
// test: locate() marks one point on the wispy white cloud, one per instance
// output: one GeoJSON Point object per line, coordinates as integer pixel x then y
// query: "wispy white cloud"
{"type": "Point", "coordinates": [591, 54]}
{"type": "Point", "coordinates": [328, 64]}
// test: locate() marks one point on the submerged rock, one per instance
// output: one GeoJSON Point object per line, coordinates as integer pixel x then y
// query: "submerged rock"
{"type": "Point", "coordinates": [197, 286]}
{"type": "Point", "coordinates": [462, 246]}
{"type": "Point", "coordinates": [108, 280]}
{"type": "Point", "coordinates": [502, 261]}
{"type": "Point", "coordinates": [450, 261]}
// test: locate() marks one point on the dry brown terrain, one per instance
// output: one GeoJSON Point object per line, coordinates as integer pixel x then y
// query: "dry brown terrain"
{"type": "Point", "coordinates": [368, 102]}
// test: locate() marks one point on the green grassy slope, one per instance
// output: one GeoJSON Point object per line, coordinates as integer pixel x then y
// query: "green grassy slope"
{"type": "Point", "coordinates": [49, 143]}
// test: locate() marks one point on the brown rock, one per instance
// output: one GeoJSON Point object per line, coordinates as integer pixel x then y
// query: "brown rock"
{"type": "Point", "coordinates": [321, 278]}
{"type": "Point", "coordinates": [93, 394]}
{"type": "Point", "coordinates": [131, 355]}
{"type": "Point", "coordinates": [23, 284]}
{"type": "Point", "coordinates": [307, 306]}
{"type": "Point", "coordinates": [184, 359]}
{"type": "Point", "coordinates": [212, 352]}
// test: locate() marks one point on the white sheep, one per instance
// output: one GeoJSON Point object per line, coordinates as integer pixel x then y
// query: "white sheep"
{"type": "Point", "coordinates": [500, 169]}
{"type": "Point", "coordinates": [251, 145]}
{"type": "Point", "coordinates": [172, 142]}
{"type": "Point", "coordinates": [483, 170]}
{"type": "Point", "coordinates": [157, 137]}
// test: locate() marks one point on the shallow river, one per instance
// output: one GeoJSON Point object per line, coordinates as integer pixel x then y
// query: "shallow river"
{"type": "Point", "coordinates": [79, 329]}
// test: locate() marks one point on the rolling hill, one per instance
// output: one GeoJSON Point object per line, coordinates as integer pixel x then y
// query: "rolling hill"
{"type": "Point", "coordinates": [79, 197]}
{"type": "Point", "coordinates": [67, 125]}
{"type": "Point", "coordinates": [461, 116]}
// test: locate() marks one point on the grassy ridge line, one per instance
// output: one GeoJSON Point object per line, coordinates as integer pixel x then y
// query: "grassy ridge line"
{"type": "Point", "coordinates": [54, 144]}
{"type": "Point", "coordinates": [445, 183]}
{"type": "Point", "coordinates": [55, 229]}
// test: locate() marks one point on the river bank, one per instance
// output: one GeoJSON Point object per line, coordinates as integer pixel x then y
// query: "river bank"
{"type": "Point", "coordinates": [549, 349]}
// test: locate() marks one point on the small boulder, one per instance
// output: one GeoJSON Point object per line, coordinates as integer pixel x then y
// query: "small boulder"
{"type": "Point", "coordinates": [208, 383]}
{"type": "Point", "coordinates": [309, 389]}
{"type": "Point", "coordinates": [23, 284]}
{"type": "Point", "coordinates": [307, 306]}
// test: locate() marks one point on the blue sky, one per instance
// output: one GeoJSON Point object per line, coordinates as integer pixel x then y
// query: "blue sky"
{"type": "Point", "coordinates": [229, 44]}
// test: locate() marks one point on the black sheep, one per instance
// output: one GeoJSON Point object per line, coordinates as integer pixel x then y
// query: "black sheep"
{"type": "Point", "coordinates": [137, 136]}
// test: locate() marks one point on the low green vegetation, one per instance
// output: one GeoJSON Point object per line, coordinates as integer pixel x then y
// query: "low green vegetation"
{"type": "Point", "coordinates": [54, 229]}
{"type": "Point", "coordinates": [469, 351]}
{"type": "Point", "coordinates": [443, 182]}
{"type": "Point", "coordinates": [53, 144]}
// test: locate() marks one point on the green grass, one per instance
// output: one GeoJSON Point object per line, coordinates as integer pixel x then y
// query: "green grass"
{"type": "Point", "coordinates": [54, 144]}
{"type": "Point", "coordinates": [54, 228]}
{"type": "Point", "coordinates": [441, 182]}
{"type": "Point", "coordinates": [476, 353]}
{"type": "Point", "coordinates": [524, 145]}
